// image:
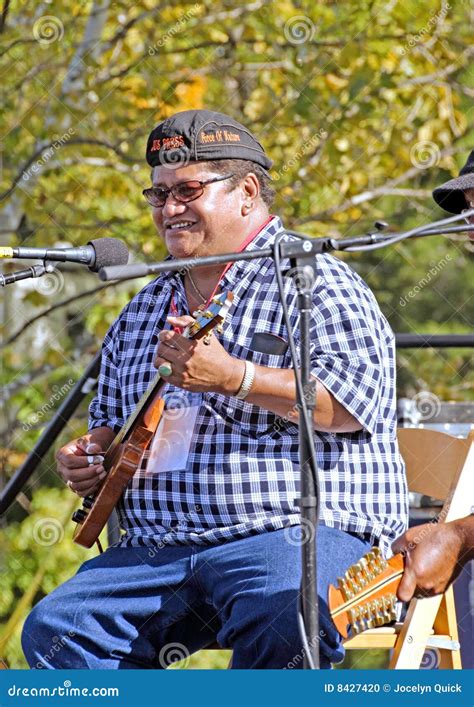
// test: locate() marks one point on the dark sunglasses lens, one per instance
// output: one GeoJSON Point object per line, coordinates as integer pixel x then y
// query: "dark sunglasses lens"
{"type": "Point", "coordinates": [155, 196]}
{"type": "Point", "coordinates": [187, 191]}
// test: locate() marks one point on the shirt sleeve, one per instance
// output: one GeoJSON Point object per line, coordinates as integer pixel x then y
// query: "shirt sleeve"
{"type": "Point", "coordinates": [105, 410]}
{"type": "Point", "coordinates": [349, 348]}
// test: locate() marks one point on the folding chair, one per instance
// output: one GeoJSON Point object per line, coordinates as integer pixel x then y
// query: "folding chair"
{"type": "Point", "coordinates": [441, 466]}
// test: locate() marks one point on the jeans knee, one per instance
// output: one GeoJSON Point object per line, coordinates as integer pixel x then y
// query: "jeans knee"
{"type": "Point", "coordinates": [41, 640]}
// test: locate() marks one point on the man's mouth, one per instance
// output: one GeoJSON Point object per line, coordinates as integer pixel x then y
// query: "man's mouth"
{"type": "Point", "coordinates": [179, 226]}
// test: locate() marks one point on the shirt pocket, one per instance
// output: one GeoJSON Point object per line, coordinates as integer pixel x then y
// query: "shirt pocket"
{"type": "Point", "coordinates": [282, 361]}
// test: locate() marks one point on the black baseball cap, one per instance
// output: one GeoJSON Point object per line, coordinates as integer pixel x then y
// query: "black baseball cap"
{"type": "Point", "coordinates": [200, 136]}
{"type": "Point", "coordinates": [450, 195]}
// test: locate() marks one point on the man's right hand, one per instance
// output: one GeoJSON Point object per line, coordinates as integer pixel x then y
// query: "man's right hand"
{"type": "Point", "coordinates": [74, 462]}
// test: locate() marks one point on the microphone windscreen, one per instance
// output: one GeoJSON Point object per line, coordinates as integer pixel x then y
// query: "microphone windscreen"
{"type": "Point", "coordinates": [108, 251]}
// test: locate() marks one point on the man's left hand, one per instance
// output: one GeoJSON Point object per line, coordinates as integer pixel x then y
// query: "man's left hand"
{"type": "Point", "coordinates": [198, 367]}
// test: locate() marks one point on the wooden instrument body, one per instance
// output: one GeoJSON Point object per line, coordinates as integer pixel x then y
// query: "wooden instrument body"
{"type": "Point", "coordinates": [121, 466]}
{"type": "Point", "coordinates": [125, 454]}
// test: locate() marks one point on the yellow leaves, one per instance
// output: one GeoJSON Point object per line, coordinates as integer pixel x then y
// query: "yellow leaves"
{"type": "Point", "coordinates": [390, 62]}
{"type": "Point", "coordinates": [354, 213]}
{"type": "Point", "coordinates": [144, 103]}
{"type": "Point", "coordinates": [191, 93]}
{"type": "Point", "coordinates": [11, 458]}
{"type": "Point", "coordinates": [335, 83]}
{"type": "Point", "coordinates": [342, 144]}
{"type": "Point", "coordinates": [256, 103]}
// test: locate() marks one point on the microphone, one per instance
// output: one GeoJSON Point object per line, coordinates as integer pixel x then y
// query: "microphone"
{"type": "Point", "coordinates": [99, 253]}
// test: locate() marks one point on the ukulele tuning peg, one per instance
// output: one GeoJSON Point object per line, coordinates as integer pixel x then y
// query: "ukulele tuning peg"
{"type": "Point", "coordinates": [79, 515]}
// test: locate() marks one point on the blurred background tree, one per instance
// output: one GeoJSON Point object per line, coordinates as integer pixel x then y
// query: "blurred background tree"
{"type": "Point", "coordinates": [364, 107]}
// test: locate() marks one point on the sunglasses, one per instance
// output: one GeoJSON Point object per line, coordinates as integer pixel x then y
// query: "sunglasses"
{"type": "Point", "coordinates": [183, 192]}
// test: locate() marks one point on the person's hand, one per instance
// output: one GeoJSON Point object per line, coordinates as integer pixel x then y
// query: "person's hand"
{"type": "Point", "coordinates": [198, 367]}
{"type": "Point", "coordinates": [79, 464]}
{"type": "Point", "coordinates": [431, 554]}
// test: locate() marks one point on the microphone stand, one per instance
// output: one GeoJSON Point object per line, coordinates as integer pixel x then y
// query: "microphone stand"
{"type": "Point", "coordinates": [302, 256]}
{"type": "Point", "coordinates": [32, 271]}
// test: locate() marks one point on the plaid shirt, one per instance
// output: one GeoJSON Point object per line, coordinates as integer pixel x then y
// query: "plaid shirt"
{"type": "Point", "coordinates": [242, 473]}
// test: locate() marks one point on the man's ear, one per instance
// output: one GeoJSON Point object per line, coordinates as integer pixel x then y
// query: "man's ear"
{"type": "Point", "coordinates": [251, 187]}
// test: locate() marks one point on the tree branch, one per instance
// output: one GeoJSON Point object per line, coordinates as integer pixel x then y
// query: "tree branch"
{"type": "Point", "coordinates": [47, 311]}
{"type": "Point", "coordinates": [73, 141]}
{"type": "Point", "coordinates": [95, 226]}
{"type": "Point", "coordinates": [3, 18]}
{"type": "Point", "coordinates": [386, 189]}
{"type": "Point", "coordinates": [92, 35]}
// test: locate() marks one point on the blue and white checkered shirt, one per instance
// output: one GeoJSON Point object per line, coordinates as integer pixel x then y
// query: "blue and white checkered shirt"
{"type": "Point", "coordinates": [242, 473]}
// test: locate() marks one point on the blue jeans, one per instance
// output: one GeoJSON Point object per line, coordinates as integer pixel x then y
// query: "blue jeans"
{"type": "Point", "coordinates": [145, 608]}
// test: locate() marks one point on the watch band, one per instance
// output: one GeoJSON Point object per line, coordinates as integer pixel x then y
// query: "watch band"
{"type": "Point", "coordinates": [247, 381]}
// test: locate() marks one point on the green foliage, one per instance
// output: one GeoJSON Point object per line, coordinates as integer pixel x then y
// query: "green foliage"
{"type": "Point", "coordinates": [363, 106]}
{"type": "Point", "coordinates": [38, 556]}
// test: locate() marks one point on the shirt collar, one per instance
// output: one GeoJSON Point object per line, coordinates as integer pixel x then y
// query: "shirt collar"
{"type": "Point", "coordinates": [264, 238]}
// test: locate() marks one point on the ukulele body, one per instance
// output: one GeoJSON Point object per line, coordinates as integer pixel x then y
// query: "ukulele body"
{"type": "Point", "coordinates": [121, 466]}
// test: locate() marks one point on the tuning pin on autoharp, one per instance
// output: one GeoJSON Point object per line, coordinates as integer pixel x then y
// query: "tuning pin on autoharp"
{"type": "Point", "coordinates": [345, 591]}
{"type": "Point", "coordinates": [365, 571]}
{"type": "Point", "coordinates": [355, 573]}
{"type": "Point", "coordinates": [369, 616]}
{"type": "Point", "coordinates": [352, 583]}
{"type": "Point", "coordinates": [354, 616]}
{"type": "Point", "coordinates": [376, 613]}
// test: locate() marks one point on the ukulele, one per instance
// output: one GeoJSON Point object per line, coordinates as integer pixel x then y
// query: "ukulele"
{"type": "Point", "coordinates": [124, 455]}
{"type": "Point", "coordinates": [365, 597]}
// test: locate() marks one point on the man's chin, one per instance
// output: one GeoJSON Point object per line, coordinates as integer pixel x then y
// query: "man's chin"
{"type": "Point", "coordinates": [181, 247]}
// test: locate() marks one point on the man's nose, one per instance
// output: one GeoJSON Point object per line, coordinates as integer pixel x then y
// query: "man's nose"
{"type": "Point", "coordinates": [172, 207]}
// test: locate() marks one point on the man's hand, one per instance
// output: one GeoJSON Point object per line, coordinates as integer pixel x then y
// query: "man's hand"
{"type": "Point", "coordinates": [196, 366]}
{"type": "Point", "coordinates": [432, 553]}
{"type": "Point", "coordinates": [74, 462]}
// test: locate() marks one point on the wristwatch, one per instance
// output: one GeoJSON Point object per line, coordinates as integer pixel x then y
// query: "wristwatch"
{"type": "Point", "coordinates": [247, 381]}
